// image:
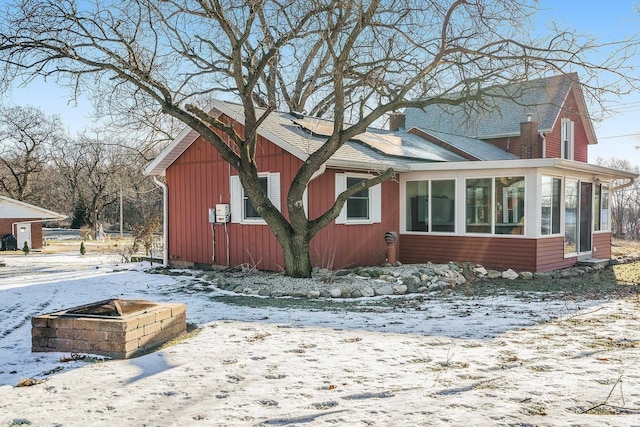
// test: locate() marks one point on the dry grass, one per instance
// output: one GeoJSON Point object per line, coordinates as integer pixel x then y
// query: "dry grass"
{"type": "Point", "coordinates": [110, 246]}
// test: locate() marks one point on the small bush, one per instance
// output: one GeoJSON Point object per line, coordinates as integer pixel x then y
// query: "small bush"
{"type": "Point", "coordinates": [86, 233]}
{"type": "Point", "coordinates": [82, 249]}
{"type": "Point", "coordinates": [25, 248]}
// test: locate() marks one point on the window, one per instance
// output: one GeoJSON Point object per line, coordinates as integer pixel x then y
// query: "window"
{"type": "Point", "coordinates": [242, 211]}
{"type": "Point", "coordinates": [495, 205]}
{"type": "Point", "coordinates": [436, 213]}
{"type": "Point", "coordinates": [566, 139]}
{"type": "Point", "coordinates": [479, 205]}
{"type": "Point", "coordinates": [550, 201]}
{"type": "Point", "coordinates": [509, 206]}
{"type": "Point", "coordinates": [364, 207]}
{"type": "Point", "coordinates": [570, 217]}
{"type": "Point", "coordinates": [358, 204]}
{"type": "Point", "coordinates": [604, 208]}
{"type": "Point", "coordinates": [249, 212]}
{"type": "Point", "coordinates": [601, 208]}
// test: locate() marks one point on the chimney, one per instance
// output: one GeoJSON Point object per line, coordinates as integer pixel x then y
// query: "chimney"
{"type": "Point", "coordinates": [397, 121]}
{"type": "Point", "coordinates": [529, 141]}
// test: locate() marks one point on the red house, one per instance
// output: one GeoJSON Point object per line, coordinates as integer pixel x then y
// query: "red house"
{"type": "Point", "coordinates": [508, 186]}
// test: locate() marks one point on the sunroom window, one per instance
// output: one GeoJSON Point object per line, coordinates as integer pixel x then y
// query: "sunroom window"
{"type": "Point", "coordinates": [570, 217]}
{"type": "Point", "coordinates": [509, 207]}
{"type": "Point", "coordinates": [550, 205]}
{"type": "Point", "coordinates": [479, 195]}
{"type": "Point", "coordinates": [601, 208]}
{"type": "Point", "coordinates": [495, 205]}
{"type": "Point", "coordinates": [430, 205]}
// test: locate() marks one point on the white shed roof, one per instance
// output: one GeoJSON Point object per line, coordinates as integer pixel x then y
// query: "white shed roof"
{"type": "Point", "coordinates": [15, 209]}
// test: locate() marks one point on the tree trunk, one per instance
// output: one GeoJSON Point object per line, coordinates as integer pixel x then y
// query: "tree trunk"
{"type": "Point", "coordinates": [297, 261]}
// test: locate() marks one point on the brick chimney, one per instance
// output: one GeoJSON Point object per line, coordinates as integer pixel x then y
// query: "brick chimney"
{"type": "Point", "coordinates": [529, 141]}
{"type": "Point", "coordinates": [397, 121]}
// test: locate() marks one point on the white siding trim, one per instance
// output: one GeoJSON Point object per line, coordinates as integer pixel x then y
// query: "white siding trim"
{"type": "Point", "coordinates": [375, 203]}
{"type": "Point", "coordinates": [236, 199]}
{"type": "Point", "coordinates": [341, 185]}
{"type": "Point", "coordinates": [273, 184]}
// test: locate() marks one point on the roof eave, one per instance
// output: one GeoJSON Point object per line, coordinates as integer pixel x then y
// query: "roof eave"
{"type": "Point", "coordinates": [368, 166]}
{"type": "Point", "coordinates": [181, 142]}
{"type": "Point", "coordinates": [570, 165]}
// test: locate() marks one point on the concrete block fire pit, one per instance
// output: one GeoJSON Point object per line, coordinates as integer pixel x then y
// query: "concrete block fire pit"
{"type": "Point", "coordinates": [116, 328]}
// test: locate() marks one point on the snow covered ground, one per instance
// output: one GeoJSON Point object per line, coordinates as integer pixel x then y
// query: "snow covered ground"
{"type": "Point", "coordinates": [441, 361]}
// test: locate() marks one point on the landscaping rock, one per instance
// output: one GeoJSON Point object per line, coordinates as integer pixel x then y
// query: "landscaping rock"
{"type": "Point", "coordinates": [509, 274]}
{"type": "Point", "coordinates": [384, 290]}
{"type": "Point", "coordinates": [367, 291]}
{"type": "Point", "coordinates": [335, 292]}
{"type": "Point", "coordinates": [313, 294]}
{"type": "Point", "coordinates": [494, 274]}
{"type": "Point", "coordinates": [526, 275]}
{"type": "Point", "coordinates": [480, 271]}
{"type": "Point", "coordinates": [399, 289]}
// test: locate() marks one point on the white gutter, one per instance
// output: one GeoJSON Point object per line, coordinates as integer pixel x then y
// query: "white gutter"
{"type": "Point", "coordinates": [165, 221]}
{"type": "Point", "coordinates": [623, 186]}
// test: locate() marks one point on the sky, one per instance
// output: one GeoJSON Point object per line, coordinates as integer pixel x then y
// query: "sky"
{"type": "Point", "coordinates": [618, 132]}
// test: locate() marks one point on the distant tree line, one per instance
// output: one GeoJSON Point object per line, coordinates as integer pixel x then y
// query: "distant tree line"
{"type": "Point", "coordinates": [624, 204]}
{"type": "Point", "coordinates": [82, 176]}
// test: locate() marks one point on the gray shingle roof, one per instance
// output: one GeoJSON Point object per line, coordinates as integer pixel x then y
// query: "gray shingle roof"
{"type": "Point", "coordinates": [501, 114]}
{"type": "Point", "coordinates": [476, 147]}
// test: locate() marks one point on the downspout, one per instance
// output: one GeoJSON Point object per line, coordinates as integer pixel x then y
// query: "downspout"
{"type": "Point", "coordinates": [315, 175]}
{"type": "Point", "coordinates": [319, 172]}
{"type": "Point", "coordinates": [622, 186]}
{"type": "Point", "coordinates": [165, 221]}
{"type": "Point", "coordinates": [544, 144]}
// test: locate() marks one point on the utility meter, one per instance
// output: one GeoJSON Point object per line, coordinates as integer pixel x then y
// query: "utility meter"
{"type": "Point", "coordinates": [222, 212]}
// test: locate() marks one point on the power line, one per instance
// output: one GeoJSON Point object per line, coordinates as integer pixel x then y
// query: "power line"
{"type": "Point", "coordinates": [619, 136]}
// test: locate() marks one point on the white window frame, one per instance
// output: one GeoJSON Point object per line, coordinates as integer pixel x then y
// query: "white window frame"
{"type": "Point", "coordinates": [375, 200]}
{"type": "Point", "coordinates": [567, 128]}
{"type": "Point", "coordinates": [560, 207]}
{"type": "Point", "coordinates": [237, 198]}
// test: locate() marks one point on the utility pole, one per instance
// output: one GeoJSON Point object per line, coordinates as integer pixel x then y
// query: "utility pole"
{"type": "Point", "coordinates": [121, 212]}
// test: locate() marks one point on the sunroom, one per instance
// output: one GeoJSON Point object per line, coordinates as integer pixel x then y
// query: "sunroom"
{"type": "Point", "coordinates": [528, 215]}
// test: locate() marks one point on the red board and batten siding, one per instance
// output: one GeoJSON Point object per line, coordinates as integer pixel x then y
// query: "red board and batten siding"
{"type": "Point", "coordinates": [341, 245]}
{"type": "Point", "coordinates": [199, 179]}
{"type": "Point", "coordinates": [580, 142]}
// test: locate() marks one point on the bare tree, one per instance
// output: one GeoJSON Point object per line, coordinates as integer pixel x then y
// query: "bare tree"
{"type": "Point", "coordinates": [27, 137]}
{"type": "Point", "coordinates": [95, 169]}
{"type": "Point", "coordinates": [350, 60]}
{"type": "Point", "coordinates": [625, 203]}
